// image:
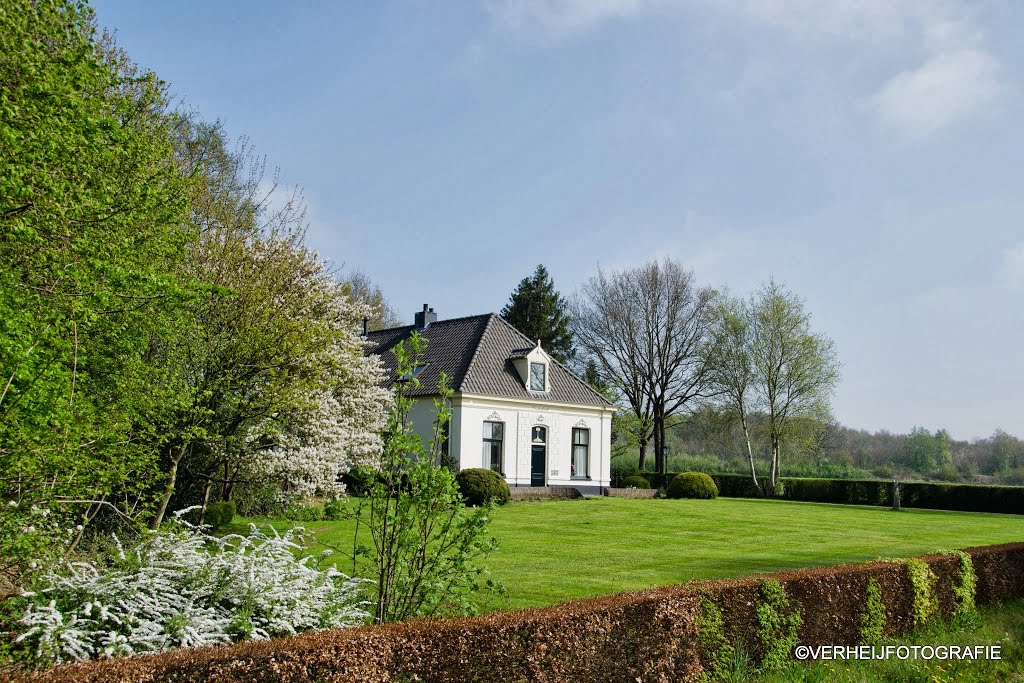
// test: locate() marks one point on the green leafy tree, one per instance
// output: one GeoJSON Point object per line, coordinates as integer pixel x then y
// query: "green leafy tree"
{"type": "Point", "coordinates": [537, 310]}
{"type": "Point", "coordinates": [92, 230]}
{"type": "Point", "coordinates": [361, 288]}
{"type": "Point", "coordinates": [269, 331]}
{"type": "Point", "coordinates": [427, 545]}
{"type": "Point", "coordinates": [795, 369]}
{"type": "Point", "coordinates": [766, 364]}
{"type": "Point", "coordinates": [921, 450]}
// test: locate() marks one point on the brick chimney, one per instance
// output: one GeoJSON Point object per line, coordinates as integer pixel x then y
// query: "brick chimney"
{"type": "Point", "coordinates": [425, 317]}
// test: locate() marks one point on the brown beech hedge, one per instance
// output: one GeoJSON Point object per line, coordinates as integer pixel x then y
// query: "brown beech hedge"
{"type": "Point", "coordinates": [649, 635]}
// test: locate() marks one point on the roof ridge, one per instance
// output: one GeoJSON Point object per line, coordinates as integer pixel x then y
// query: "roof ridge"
{"type": "Point", "coordinates": [436, 322]}
{"type": "Point", "coordinates": [553, 360]}
{"type": "Point", "coordinates": [476, 351]}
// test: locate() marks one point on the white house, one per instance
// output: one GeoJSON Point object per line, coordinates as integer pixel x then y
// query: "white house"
{"type": "Point", "coordinates": [515, 409]}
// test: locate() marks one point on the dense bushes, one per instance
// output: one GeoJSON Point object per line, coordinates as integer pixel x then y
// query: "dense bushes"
{"type": "Point", "coordinates": [636, 482]}
{"type": "Point", "coordinates": [960, 497]}
{"type": "Point", "coordinates": [219, 514]}
{"type": "Point", "coordinates": [692, 485]}
{"type": "Point", "coordinates": [936, 496]}
{"type": "Point", "coordinates": [479, 486]}
{"type": "Point", "coordinates": [672, 633]}
{"type": "Point", "coordinates": [181, 587]}
{"type": "Point", "coordinates": [358, 479]}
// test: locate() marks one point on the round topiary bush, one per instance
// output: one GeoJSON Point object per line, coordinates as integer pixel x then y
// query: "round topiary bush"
{"type": "Point", "coordinates": [479, 486]}
{"type": "Point", "coordinates": [692, 485]}
{"type": "Point", "coordinates": [636, 482]}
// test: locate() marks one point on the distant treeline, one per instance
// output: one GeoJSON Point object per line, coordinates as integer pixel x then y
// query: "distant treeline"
{"type": "Point", "coordinates": [711, 441]}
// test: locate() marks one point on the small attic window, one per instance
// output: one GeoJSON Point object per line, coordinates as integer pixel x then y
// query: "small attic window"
{"type": "Point", "coordinates": [538, 376]}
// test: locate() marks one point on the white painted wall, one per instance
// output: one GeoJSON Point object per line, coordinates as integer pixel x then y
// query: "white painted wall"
{"type": "Point", "coordinates": [470, 412]}
{"type": "Point", "coordinates": [422, 415]}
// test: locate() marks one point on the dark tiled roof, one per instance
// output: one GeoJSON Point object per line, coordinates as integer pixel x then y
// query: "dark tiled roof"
{"type": "Point", "coordinates": [450, 347]}
{"type": "Point", "coordinates": [476, 353]}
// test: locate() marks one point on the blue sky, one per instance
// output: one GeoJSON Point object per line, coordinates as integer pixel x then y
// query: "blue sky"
{"type": "Point", "coordinates": [865, 152]}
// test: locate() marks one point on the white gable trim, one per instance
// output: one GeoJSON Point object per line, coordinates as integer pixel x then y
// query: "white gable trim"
{"type": "Point", "coordinates": [540, 406]}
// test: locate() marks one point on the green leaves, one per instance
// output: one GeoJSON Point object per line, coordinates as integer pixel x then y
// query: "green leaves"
{"type": "Point", "coordinates": [537, 310]}
{"type": "Point", "coordinates": [92, 220]}
{"type": "Point", "coordinates": [427, 544]}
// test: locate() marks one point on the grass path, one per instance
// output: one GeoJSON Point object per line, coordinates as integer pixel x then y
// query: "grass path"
{"type": "Point", "coordinates": [550, 552]}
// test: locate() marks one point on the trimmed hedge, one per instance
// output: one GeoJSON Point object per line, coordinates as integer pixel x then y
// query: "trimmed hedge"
{"type": "Point", "coordinates": [692, 485]}
{"type": "Point", "coordinates": [935, 496]}
{"type": "Point", "coordinates": [478, 486]}
{"type": "Point", "coordinates": [635, 482]}
{"type": "Point", "coordinates": [646, 635]}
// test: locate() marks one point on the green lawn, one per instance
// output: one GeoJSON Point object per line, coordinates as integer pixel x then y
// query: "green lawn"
{"type": "Point", "coordinates": [550, 552]}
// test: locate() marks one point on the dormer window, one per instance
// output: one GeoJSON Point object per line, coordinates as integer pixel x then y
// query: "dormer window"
{"type": "Point", "coordinates": [538, 376]}
{"type": "Point", "coordinates": [532, 364]}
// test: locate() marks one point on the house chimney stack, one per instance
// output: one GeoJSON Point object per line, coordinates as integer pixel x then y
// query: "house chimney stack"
{"type": "Point", "coordinates": [425, 317]}
{"type": "Point", "coordinates": [366, 326]}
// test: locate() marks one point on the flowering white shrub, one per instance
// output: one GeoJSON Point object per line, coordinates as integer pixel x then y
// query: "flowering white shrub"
{"type": "Point", "coordinates": [307, 448]}
{"type": "Point", "coordinates": [184, 588]}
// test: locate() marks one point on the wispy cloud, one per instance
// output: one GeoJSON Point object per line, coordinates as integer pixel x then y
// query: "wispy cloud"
{"type": "Point", "coordinates": [557, 18]}
{"type": "Point", "coordinates": [948, 88]}
{"type": "Point", "coordinates": [953, 75]}
{"type": "Point", "coordinates": [1011, 270]}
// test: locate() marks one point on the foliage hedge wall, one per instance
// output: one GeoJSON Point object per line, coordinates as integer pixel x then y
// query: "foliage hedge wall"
{"type": "Point", "coordinates": [960, 497]}
{"type": "Point", "coordinates": [647, 635]}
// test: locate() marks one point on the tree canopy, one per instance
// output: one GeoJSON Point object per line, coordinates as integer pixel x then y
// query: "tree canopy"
{"type": "Point", "coordinates": [93, 228]}
{"type": "Point", "coordinates": [537, 310]}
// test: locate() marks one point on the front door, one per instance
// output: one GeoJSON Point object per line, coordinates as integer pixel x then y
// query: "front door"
{"type": "Point", "coordinates": [537, 467]}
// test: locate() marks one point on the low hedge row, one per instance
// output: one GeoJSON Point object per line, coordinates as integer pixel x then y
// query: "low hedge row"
{"type": "Point", "coordinates": [673, 633]}
{"type": "Point", "coordinates": [959, 497]}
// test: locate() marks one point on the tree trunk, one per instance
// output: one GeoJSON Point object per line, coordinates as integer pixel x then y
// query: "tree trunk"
{"type": "Point", "coordinates": [643, 454]}
{"type": "Point", "coordinates": [774, 483]}
{"type": "Point", "coordinates": [750, 453]}
{"type": "Point", "coordinates": [659, 444]}
{"type": "Point", "coordinates": [206, 499]}
{"type": "Point", "coordinates": [172, 476]}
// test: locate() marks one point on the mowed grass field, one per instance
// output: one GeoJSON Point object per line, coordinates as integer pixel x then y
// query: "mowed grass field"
{"type": "Point", "coordinates": [550, 552]}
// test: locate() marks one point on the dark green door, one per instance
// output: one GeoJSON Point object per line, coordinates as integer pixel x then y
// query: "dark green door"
{"type": "Point", "coordinates": [537, 468]}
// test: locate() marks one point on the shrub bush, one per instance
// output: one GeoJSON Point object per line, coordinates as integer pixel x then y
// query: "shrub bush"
{"type": "Point", "coordinates": [334, 510]}
{"type": "Point", "coordinates": [735, 486]}
{"type": "Point", "coordinates": [300, 512]}
{"type": "Point", "coordinates": [936, 496]}
{"type": "Point", "coordinates": [219, 514]}
{"type": "Point", "coordinates": [181, 587]}
{"type": "Point", "coordinates": [636, 482]}
{"type": "Point", "coordinates": [692, 485]}
{"type": "Point", "coordinates": [358, 479]}
{"type": "Point", "coordinates": [478, 486]}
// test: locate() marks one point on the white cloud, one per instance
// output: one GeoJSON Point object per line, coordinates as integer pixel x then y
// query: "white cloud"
{"type": "Point", "coordinates": [852, 19]}
{"type": "Point", "coordinates": [954, 79]}
{"type": "Point", "coordinates": [562, 17]}
{"type": "Point", "coordinates": [946, 89]}
{"type": "Point", "coordinates": [1011, 271]}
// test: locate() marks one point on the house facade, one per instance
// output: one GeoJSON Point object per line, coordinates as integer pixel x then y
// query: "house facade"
{"type": "Point", "coordinates": [515, 410]}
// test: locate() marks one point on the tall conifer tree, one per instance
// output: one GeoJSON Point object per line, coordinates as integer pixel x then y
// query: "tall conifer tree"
{"type": "Point", "coordinates": [537, 310]}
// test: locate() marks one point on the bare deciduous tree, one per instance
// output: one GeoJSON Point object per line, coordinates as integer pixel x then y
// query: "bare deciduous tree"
{"type": "Point", "coordinates": [647, 328]}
